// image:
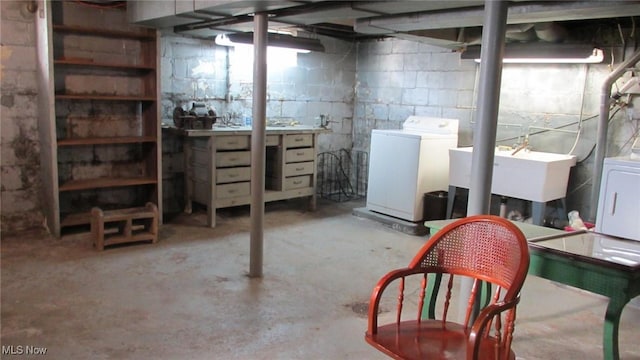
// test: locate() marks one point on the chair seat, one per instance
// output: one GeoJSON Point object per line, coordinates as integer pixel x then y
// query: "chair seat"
{"type": "Point", "coordinates": [427, 340]}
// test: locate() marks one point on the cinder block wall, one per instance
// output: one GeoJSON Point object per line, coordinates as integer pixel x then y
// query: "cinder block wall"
{"type": "Point", "coordinates": [319, 83]}
{"type": "Point", "coordinates": [398, 78]}
{"type": "Point", "coordinates": [20, 151]}
{"type": "Point", "coordinates": [371, 84]}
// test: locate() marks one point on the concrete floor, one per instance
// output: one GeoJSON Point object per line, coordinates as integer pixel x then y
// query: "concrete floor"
{"type": "Point", "coordinates": [188, 296]}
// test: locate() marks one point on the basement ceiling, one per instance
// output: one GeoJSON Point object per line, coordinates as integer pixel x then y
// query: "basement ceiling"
{"type": "Point", "coordinates": [453, 24]}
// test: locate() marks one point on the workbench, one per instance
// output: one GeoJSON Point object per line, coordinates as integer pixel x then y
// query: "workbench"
{"type": "Point", "coordinates": [218, 166]}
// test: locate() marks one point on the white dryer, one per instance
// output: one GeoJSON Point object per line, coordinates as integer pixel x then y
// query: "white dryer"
{"type": "Point", "coordinates": [405, 164]}
{"type": "Point", "coordinates": [619, 201]}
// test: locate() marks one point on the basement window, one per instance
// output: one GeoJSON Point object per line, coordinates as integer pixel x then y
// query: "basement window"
{"type": "Point", "coordinates": [277, 58]}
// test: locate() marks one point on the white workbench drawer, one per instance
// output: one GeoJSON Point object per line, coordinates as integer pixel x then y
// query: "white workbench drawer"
{"type": "Point", "coordinates": [234, 142]}
{"type": "Point", "coordinates": [296, 169]}
{"type": "Point", "coordinates": [272, 140]}
{"type": "Point", "coordinates": [297, 182]}
{"type": "Point", "coordinates": [235, 174]}
{"type": "Point", "coordinates": [298, 155]}
{"type": "Point", "coordinates": [226, 191]}
{"type": "Point", "coordinates": [233, 158]}
{"type": "Point", "coordinates": [298, 140]}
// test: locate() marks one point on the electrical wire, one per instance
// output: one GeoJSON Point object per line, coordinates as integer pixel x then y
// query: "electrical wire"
{"type": "Point", "coordinates": [624, 42]}
{"type": "Point", "coordinates": [619, 107]}
{"type": "Point", "coordinates": [345, 55]}
{"type": "Point", "coordinates": [579, 131]}
{"type": "Point", "coordinates": [575, 142]}
{"type": "Point", "coordinates": [543, 131]}
{"type": "Point", "coordinates": [594, 144]}
{"type": "Point", "coordinates": [631, 138]}
{"type": "Point", "coordinates": [575, 189]}
{"type": "Point", "coordinates": [561, 127]}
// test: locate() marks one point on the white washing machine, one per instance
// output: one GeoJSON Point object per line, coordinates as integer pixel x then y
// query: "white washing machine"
{"type": "Point", "coordinates": [405, 164]}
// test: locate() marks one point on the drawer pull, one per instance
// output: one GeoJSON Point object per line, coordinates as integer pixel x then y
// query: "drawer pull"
{"type": "Point", "coordinates": [233, 176]}
{"type": "Point", "coordinates": [297, 182]}
{"type": "Point", "coordinates": [300, 153]}
{"type": "Point", "coordinates": [298, 139]}
{"type": "Point", "coordinates": [232, 143]}
{"type": "Point", "coordinates": [231, 191]}
{"type": "Point", "coordinates": [299, 168]}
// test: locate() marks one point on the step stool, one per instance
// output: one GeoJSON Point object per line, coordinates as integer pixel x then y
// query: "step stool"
{"type": "Point", "coordinates": [124, 225]}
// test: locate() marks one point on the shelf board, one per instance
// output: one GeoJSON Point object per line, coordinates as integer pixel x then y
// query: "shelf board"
{"type": "Point", "coordinates": [88, 184]}
{"type": "Point", "coordinates": [91, 63]}
{"type": "Point", "coordinates": [61, 96]}
{"type": "Point", "coordinates": [121, 239]}
{"type": "Point", "coordinates": [76, 219]}
{"type": "Point", "coordinates": [107, 140]}
{"type": "Point", "coordinates": [83, 30]}
{"type": "Point", "coordinates": [84, 218]}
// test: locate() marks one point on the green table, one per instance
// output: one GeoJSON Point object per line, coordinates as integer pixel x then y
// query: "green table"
{"type": "Point", "coordinates": [590, 261]}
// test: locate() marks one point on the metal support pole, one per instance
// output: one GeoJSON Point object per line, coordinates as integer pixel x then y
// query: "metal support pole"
{"type": "Point", "coordinates": [484, 137]}
{"type": "Point", "coordinates": [258, 140]}
{"type": "Point", "coordinates": [603, 121]}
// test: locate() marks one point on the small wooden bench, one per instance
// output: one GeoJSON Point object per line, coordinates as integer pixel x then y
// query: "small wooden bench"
{"type": "Point", "coordinates": [124, 225]}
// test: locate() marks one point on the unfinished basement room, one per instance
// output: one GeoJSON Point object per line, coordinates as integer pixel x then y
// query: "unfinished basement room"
{"type": "Point", "coordinates": [319, 179]}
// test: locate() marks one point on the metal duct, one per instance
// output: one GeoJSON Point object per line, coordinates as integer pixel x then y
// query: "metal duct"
{"type": "Point", "coordinates": [521, 32]}
{"type": "Point", "coordinates": [546, 32]}
{"type": "Point", "coordinates": [550, 32]}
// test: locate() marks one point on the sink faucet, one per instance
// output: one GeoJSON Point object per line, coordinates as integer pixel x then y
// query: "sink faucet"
{"type": "Point", "coordinates": [524, 145]}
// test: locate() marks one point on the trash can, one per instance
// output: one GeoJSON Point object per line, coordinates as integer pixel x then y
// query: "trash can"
{"type": "Point", "coordinates": [435, 205]}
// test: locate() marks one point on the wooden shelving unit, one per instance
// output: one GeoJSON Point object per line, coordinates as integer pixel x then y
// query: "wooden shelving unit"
{"type": "Point", "coordinates": [94, 31]}
{"type": "Point", "coordinates": [97, 183]}
{"type": "Point", "coordinates": [104, 127]}
{"type": "Point", "coordinates": [107, 140]}
{"type": "Point", "coordinates": [105, 97]}
{"type": "Point", "coordinates": [88, 63]}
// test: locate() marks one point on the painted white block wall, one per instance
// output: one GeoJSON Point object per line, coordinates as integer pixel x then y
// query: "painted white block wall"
{"type": "Point", "coordinates": [398, 78]}
{"type": "Point", "coordinates": [222, 77]}
{"type": "Point", "coordinates": [371, 84]}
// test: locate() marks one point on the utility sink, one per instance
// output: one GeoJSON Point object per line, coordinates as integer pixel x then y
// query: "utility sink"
{"type": "Point", "coordinates": [529, 175]}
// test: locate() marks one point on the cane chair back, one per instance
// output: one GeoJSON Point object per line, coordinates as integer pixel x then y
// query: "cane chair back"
{"type": "Point", "coordinates": [488, 250]}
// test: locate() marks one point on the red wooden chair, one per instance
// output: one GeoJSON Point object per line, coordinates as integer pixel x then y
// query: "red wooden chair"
{"type": "Point", "coordinates": [485, 248]}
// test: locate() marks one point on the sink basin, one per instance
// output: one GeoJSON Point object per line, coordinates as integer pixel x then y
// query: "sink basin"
{"type": "Point", "coordinates": [529, 175]}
